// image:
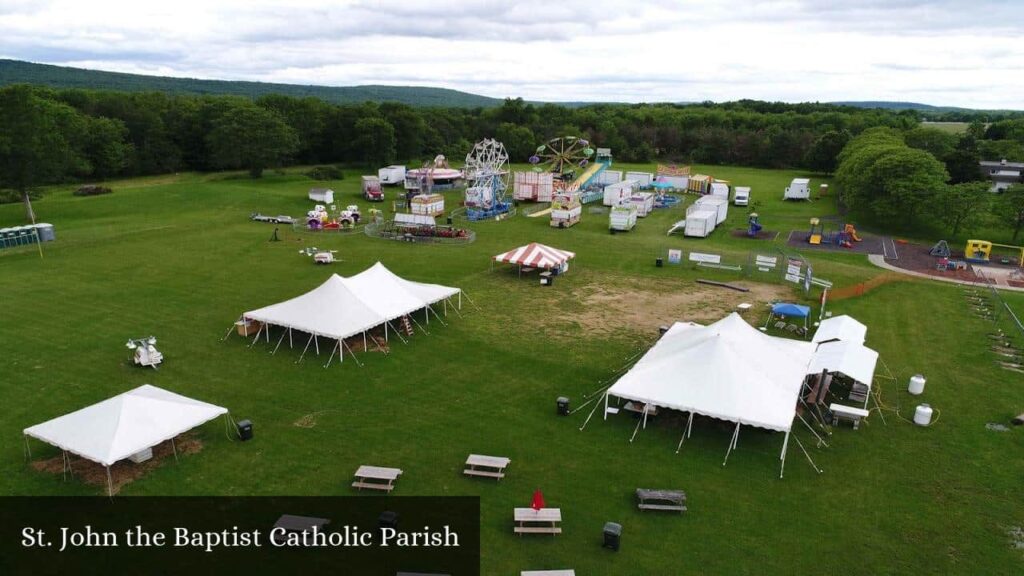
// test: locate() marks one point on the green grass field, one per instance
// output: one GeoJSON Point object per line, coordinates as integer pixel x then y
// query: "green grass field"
{"type": "Point", "coordinates": [176, 256]}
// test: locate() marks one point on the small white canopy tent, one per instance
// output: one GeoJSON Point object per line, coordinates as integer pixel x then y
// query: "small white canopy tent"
{"type": "Point", "coordinates": [727, 370]}
{"type": "Point", "coordinates": [842, 328]}
{"type": "Point", "coordinates": [536, 255]}
{"type": "Point", "coordinates": [124, 425]}
{"type": "Point", "coordinates": [344, 307]}
{"type": "Point", "coordinates": [850, 358]}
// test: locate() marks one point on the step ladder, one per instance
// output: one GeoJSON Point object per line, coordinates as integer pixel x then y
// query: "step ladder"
{"type": "Point", "coordinates": [407, 326]}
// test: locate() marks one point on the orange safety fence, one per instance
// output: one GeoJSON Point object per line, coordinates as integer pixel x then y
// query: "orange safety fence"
{"type": "Point", "coordinates": [863, 288]}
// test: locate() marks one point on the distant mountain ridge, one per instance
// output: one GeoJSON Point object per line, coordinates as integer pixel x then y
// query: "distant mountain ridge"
{"type": "Point", "coordinates": [17, 71]}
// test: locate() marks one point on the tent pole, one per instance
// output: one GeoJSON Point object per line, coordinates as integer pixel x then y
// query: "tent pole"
{"type": "Point", "coordinates": [256, 339]}
{"type": "Point", "coordinates": [228, 334]}
{"type": "Point", "coordinates": [426, 314]}
{"type": "Point", "coordinates": [110, 484]}
{"type": "Point", "coordinates": [413, 318]}
{"type": "Point", "coordinates": [785, 444]}
{"type": "Point", "coordinates": [591, 415]}
{"type": "Point", "coordinates": [732, 443]}
{"type": "Point", "coordinates": [358, 363]}
{"type": "Point", "coordinates": [444, 303]}
{"type": "Point", "coordinates": [385, 332]}
{"type": "Point", "coordinates": [308, 342]}
{"type": "Point", "coordinates": [333, 348]}
{"type": "Point", "coordinates": [689, 425]}
{"type": "Point", "coordinates": [397, 333]}
{"type": "Point", "coordinates": [798, 443]}
{"type": "Point", "coordinates": [28, 449]}
{"type": "Point", "coordinates": [289, 337]}
{"type": "Point", "coordinates": [460, 299]}
{"type": "Point", "coordinates": [365, 349]}
{"type": "Point", "coordinates": [175, 450]}
{"type": "Point", "coordinates": [820, 439]}
{"type": "Point", "coordinates": [64, 465]}
{"type": "Point", "coordinates": [635, 430]}
{"type": "Point", "coordinates": [454, 309]}
{"type": "Point", "coordinates": [316, 343]}
{"type": "Point", "coordinates": [645, 416]}
{"type": "Point", "coordinates": [279, 340]}
{"type": "Point", "coordinates": [437, 317]}
{"type": "Point", "coordinates": [268, 335]}
{"type": "Point", "coordinates": [605, 404]}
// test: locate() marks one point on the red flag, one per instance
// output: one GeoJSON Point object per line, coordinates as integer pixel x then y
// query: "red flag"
{"type": "Point", "coordinates": [538, 500]}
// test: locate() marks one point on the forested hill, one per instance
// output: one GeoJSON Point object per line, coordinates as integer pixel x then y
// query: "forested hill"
{"type": "Point", "coordinates": [16, 71]}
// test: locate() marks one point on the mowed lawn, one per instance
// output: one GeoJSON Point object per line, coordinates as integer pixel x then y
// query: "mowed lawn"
{"type": "Point", "coordinates": [176, 257]}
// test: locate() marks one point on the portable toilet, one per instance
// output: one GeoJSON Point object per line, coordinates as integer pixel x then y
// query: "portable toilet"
{"type": "Point", "coordinates": [741, 196]}
{"type": "Point", "coordinates": [798, 189]}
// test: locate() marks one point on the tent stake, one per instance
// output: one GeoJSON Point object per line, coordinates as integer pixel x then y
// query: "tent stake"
{"type": "Point", "coordinates": [358, 363]}
{"type": "Point", "coordinates": [333, 348]}
{"type": "Point", "coordinates": [635, 430]}
{"type": "Point", "coordinates": [308, 342]}
{"type": "Point", "coordinates": [437, 317]}
{"type": "Point", "coordinates": [279, 340]}
{"type": "Point", "coordinates": [732, 443]}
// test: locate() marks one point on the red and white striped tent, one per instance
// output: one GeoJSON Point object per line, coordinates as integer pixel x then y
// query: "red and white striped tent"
{"type": "Point", "coordinates": [535, 255]}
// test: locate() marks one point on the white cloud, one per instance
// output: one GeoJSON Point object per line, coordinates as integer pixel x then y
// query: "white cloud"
{"type": "Point", "coordinates": [948, 52]}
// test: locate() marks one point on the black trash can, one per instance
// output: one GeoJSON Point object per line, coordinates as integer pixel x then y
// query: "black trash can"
{"type": "Point", "coordinates": [612, 535]}
{"type": "Point", "coordinates": [658, 262]}
{"type": "Point", "coordinates": [449, 220]}
{"type": "Point", "coordinates": [563, 406]}
{"type": "Point", "coordinates": [388, 519]}
{"type": "Point", "coordinates": [245, 430]}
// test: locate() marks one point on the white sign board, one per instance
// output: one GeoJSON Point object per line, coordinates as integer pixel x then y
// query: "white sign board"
{"type": "Point", "coordinates": [675, 256]}
{"type": "Point", "coordinates": [706, 258]}
{"type": "Point", "coordinates": [794, 278]}
{"type": "Point", "coordinates": [792, 270]}
{"type": "Point", "coordinates": [766, 261]}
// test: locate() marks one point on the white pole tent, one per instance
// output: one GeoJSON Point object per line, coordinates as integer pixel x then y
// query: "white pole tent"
{"type": "Point", "coordinates": [851, 359]}
{"type": "Point", "coordinates": [727, 370]}
{"type": "Point", "coordinates": [343, 307]}
{"type": "Point", "coordinates": [124, 425]}
{"type": "Point", "coordinates": [842, 328]}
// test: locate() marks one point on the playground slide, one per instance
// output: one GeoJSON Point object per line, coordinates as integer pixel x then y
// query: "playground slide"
{"type": "Point", "coordinates": [814, 239]}
{"type": "Point", "coordinates": [852, 232]}
{"type": "Point", "coordinates": [589, 174]}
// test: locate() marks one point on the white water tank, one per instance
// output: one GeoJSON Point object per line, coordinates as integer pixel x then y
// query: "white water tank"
{"type": "Point", "coordinates": [916, 386]}
{"type": "Point", "coordinates": [923, 415]}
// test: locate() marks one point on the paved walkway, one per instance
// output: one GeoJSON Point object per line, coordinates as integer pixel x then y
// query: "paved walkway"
{"type": "Point", "coordinates": [879, 260]}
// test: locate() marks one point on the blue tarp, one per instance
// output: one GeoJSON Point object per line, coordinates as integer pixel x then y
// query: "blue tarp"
{"type": "Point", "coordinates": [794, 310]}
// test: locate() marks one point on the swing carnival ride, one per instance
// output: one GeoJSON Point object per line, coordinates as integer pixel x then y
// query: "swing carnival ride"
{"type": "Point", "coordinates": [487, 168]}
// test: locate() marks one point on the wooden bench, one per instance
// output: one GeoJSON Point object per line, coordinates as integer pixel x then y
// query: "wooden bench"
{"type": "Point", "coordinates": [527, 520]}
{"type": "Point", "coordinates": [376, 478]}
{"type": "Point", "coordinates": [850, 413]}
{"type": "Point", "coordinates": [674, 500]}
{"type": "Point", "coordinates": [492, 466]}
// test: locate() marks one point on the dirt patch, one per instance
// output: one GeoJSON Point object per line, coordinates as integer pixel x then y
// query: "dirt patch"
{"type": "Point", "coordinates": [125, 471]}
{"type": "Point", "coordinates": [643, 305]}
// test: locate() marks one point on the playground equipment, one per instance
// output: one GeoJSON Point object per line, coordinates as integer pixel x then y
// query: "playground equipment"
{"type": "Point", "coordinates": [851, 233]}
{"type": "Point", "coordinates": [565, 210]}
{"type": "Point", "coordinates": [798, 189]}
{"type": "Point", "coordinates": [144, 352]}
{"type": "Point", "coordinates": [941, 250]}
{"type": "Point", "coordinates": [816, 233]}
{"type": "Point", "coordinates": [371, 189]}
{"type": "Point", "coordinates": [487, 168]}
{"type": "Point", "coordinates": [753, 225]}
{"type": "Point", "coordinates": [980, 252]}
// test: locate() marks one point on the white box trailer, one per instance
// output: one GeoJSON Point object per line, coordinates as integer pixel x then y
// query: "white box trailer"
{"type": "Point", "coordinates": [565, 210]}
{"type": "Point", "coordinates": [720, 189]}
{"type": "Point", "coordinates": [741, 196]}
{"type": "Point", "coordinates": [428, 204]}
{"type": "Point", "coordinates": [615, 194]}
{"type": "Point", "coordinates": [643, 179]}
{"type": "Point", "coordinates": [798, 189]}
{"type": "Point", "coordinates": [644, 202]}
{"type": "Point", "coordinates": [533, 186]}
{"type": "Point", "coordinates": [606, 177]}
{"type": "Point", "coordinates": [391, 175]}
{"type": "Point", "coordinates": [675, 182]}
{"type": "Point", "coordinates": [321, 195]}
{"type": "Point", "coordinates": [700, 223]}
{"type": "Point", "coordinates": [717, 203]}
{"type": "Point", "coordinates": [622, 218]}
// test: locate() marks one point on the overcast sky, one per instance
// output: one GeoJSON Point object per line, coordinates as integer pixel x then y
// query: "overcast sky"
{"type": "Point", "coordinates": [944, 52]}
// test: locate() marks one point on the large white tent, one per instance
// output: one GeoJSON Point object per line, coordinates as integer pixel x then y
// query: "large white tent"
{"type": "Point", "coordinates": [124, 425]}
{"type": "Point", "coordinates": [344, 307]}
{"type": "Point", "coordinates": [842, 328]}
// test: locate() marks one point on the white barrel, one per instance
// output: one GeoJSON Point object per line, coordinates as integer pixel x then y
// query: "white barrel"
{"type": "Point", "coordinates": [923, 415]}
{"type": "Point", "coordinates": [916, 386]}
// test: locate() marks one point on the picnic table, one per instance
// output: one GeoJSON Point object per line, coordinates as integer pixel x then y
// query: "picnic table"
{"type": "Point", "coordinates": [492, 466]}
{"type": "Point", "coordinates": [376, 478]}
{"type": "Point", "coordinates": [661, 499]}
{"type": "Point", "coordinates": [543, 521]}
{"type": "Point", "coordinates": [297, 525]}
{"type": "Point", "coordinates": [548, 573]}
{"type": "Point", "coordinates": [850, 413]}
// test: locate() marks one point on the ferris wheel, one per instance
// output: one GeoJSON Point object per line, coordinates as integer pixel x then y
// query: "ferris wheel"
{"type": "Point", "coordinates": [562, 155]}
{"type": "Point", "coordinates": [487, 168]}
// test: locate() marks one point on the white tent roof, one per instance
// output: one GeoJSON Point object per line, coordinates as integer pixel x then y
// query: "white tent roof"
{"type": "Point", "coordinates": [842, 328]}
{"type": "Point", "coordinates": [727, 370]}
{"type": "Point", "coordinates": [128, 423]}
{"type": "Point", "coordinates": [851, 358]}
{"type": "Point", "coordinates": [343, 307]}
